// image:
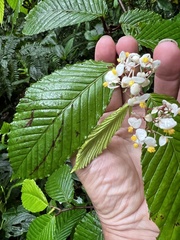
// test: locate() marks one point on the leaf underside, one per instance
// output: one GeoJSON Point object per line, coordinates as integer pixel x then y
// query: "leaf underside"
{"type": "Point", "coordinates": [99, 138]}
{"type": "Point", "coordinates": [149, 28]}
{"type": "Point", "coordinates": [161, 178]}
{"type": "Point", "coordinates": [50, 14]}
{"type": "Point", "coordinates": [54, 118]}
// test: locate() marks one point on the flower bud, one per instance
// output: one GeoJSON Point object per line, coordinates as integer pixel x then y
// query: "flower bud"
{"type": "Point", "coordinates": [148, 118]}
{"type": "Point", "coordinates": [135, 89]}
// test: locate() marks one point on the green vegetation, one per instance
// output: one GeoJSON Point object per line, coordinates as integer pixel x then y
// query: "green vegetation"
{"type": "Point", "coordinates": [45, 55]}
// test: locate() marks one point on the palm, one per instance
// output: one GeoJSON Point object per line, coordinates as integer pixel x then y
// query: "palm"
{"type": "Point", "coordinates": [116, 176]}
{"type": "Point", "coordinates": [113, 180]}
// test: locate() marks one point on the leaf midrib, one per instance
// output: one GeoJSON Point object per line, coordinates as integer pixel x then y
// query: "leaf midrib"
{"type": "Point", "coordinates": [61, 113]}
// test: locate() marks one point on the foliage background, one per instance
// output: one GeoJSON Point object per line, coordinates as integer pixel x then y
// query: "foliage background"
{"type": "Point", "coordinates": [24, 60]}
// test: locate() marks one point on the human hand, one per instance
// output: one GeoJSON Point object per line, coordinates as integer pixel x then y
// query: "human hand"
{"type": "Point", "coordinates": [113, 180]}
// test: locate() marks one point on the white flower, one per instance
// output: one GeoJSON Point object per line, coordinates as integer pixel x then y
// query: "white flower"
{"type": "Point", "coordinates": [111, 79]}
{"type": "Point", "coordinates": [138, 99]}
{"type": "Point", "coordinates": [150, 144]}
{"type": "Point", "coordinates": [166, 123]}
{"type": "Point", "coordinates": [141, 135]}
{"type": "Point", "coordinates": [125, 81]}
{"type": "Point", "coordinates": [146, 61]}
{"type": "Point", "coordinates": [128, 81]}
{"type": "Point", "coordinates": [156, 64]}
{"type": "Point", "coordinates": [175, 109]}
{"type": "Point", "coordinates": [148, 118]}
{"type": "Point", "coordinates": [135, 122]}
{"type": "Point", "coordinates": [141, 74]}
{"type": "Point", "coordinates": [120, 69]}
{"type": "Point", "coordinates": [133, 57]}
{"type": "Point", "coordinates": [163, 140]}
{"type": "Point", "coordinates": [154, 110]}
{"type": "Point", "coordinates": [122, 57]}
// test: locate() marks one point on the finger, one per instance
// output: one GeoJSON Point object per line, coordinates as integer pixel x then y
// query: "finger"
{"type": "Point", "coordinates": [105, 50]}
{"type": "Point", "coordinates": [127, 44]}
{"type": "Point", "coordinates": [167, 76]}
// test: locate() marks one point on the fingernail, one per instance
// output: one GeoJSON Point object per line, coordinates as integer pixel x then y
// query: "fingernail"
{"type": "Point", "coordinates": [168, 40]}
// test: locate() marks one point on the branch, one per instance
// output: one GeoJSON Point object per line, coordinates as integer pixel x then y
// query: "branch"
{"type": "Point", "coordinates": [122, 5]}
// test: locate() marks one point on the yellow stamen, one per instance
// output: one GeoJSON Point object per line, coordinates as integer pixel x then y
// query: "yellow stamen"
{"type": "Point", "coordinates": [131, 83]}
{"type": "Point", "coordinates": [145, 60]}
{"type": "Point", "coordinates": [169, 131]}
{"type": "Point", "coordinates": [130, 129]}
{"type": "Point", "coordinates": [127, 54]}
{"type": "Point", "coordinates": [118, 60]}
{"type": "Point", "coordinates": [105, 84]}
{"type": "Point", "coordinates": [151, 149]}
{"type": "Point", "coordinates": [142, 105]}
{"type": "Point", "coordinates": [134, 138]}
{"type": "Point", "coordinates": [114, 71]}
{"type": "Point", "coordinates": [135, 145]}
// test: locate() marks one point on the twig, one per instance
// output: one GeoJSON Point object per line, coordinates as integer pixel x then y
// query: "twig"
{"type": "Point", "coordinates": [106, 29]}
{"type": "Point", "coordinates": [122, 5]}
{"type": "Point", "coordinates": [59, 210]}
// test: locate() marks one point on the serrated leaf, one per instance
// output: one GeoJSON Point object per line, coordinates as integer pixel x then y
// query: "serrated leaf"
{"type": "Point", "coordinates": [149, 28]}
{"type": "Point", "coordinates": [66, 221]}
{"type": "Point", "coordinates": [1, 10]}
{"type": "Point", "coordinates": [50, 14]}
{"type": "Point", "coordinates": [42, 228]}
{"type": "Point", "coordinates": [161, 179]}
{"type": "Point", "coordinates": [55, 116]}
{"type": "Point", "coordinates": [150, 34]}
{"type": "Point", "coordinates": [133, 17]}
{"type": "Point", "coordinates": [59, 185]}
{"type": "Point", "coordinates": [89, 228]}
{"type": "Point", "coordinates": [33, 199]}
{"type": "Point", "coordinates": [99, 138]}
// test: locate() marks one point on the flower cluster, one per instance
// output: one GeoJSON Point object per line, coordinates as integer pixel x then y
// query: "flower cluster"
{"type": "Point", "coordinates": [162, 117]}
{"type": "Point", "coordinates": [132, 73]}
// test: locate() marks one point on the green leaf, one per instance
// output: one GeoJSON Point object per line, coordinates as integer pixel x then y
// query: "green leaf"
{"type": "Point", "coordinates": [16, 5]}
{"type": "Point", "coordinates": [161, 179]}
{"type": "Point", "coordinates": [42, 228]}
{"type": "Point", "coordinates": [54, 118]}
{"type": "Point", "coordinates": [1, 10]}
{"type": "Point", "coordinates": [33, 199]}
{"type": "Point", "coordinates": [89, 228]}
{"type": "Point", "coordinates": [149, 28]}
{"type": "Point", "coordinates": [16, 221]}
{"type": "Point", "coordinates": [60, 185]}
{"type": "Point", "coordinates": [5, 128]}
{"type": "Point", "coordinates": [99, 138]}
{"type": "Point", "coordinates": [66, 221]}
{"type": "Point", "coordinates": [50, 14]}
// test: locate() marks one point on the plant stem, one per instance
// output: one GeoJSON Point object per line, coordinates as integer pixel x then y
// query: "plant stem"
{"type": "Point", "coordinates": [122, 5]}
{"type": "Point", "coordinates": [72, 208]}
{"type": "Point", "coordinates": [106, 29]}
